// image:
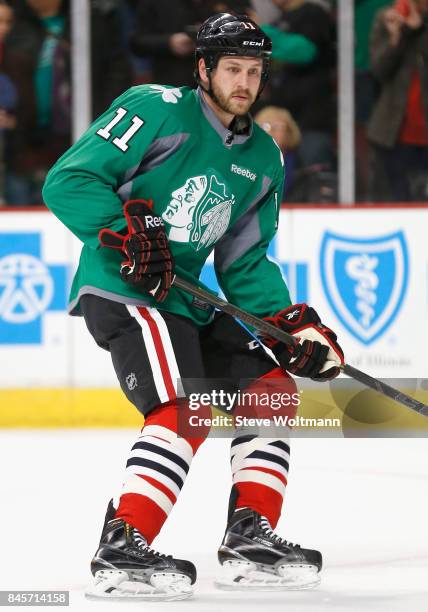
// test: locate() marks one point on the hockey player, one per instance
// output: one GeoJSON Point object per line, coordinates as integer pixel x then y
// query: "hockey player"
{"type": "Point", "coordinates": [164, 177]}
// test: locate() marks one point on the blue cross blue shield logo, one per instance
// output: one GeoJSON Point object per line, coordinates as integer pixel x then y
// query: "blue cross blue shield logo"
{"type": "Point", "coordinates": [365, 281]}
{"type": "Point", "coordinates": [29, 287]}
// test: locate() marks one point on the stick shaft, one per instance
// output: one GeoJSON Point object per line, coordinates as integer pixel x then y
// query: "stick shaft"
{"type": "Point", "coordinates": [235, 311]}
{"type": "Point", "coordinates": [283, 336]}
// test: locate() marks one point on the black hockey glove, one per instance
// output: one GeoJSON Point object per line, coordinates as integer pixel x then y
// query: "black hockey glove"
{"type": "Point", "coordinates": [149, 262]}
{"type": "Point", "coordinates": [318, 355]}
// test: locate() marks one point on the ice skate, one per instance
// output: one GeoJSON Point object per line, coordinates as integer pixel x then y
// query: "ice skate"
{"type": "Point", "coordinates": [125, 567]}
{"type": "Point", "coordinates": [253, 557]}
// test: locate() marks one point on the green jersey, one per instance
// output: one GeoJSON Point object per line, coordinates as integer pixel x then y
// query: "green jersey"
{"type": "Point", "coordinates": [215, 189]}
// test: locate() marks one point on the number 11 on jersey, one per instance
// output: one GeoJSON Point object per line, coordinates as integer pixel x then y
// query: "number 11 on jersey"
{"type": "Point", "coordinates": [122, 142]}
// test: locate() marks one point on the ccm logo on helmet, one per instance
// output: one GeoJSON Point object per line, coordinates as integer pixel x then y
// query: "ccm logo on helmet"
{"type": "Point", "coordinates": [253, 43]}
{"type": "Point", "coordinates": [153, 221]}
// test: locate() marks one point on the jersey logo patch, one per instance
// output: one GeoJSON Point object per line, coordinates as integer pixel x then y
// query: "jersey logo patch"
{"type": "Point", "coordinates": [168, 94]}
{"type": "Point", "coordinates": [199, 212]}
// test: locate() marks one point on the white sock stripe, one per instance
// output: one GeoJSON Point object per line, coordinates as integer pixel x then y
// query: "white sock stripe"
{"type": "Point", "coordinates": [260, 478]}
{"type": "Point", "coordinates": [257, 439]}
{"type": "Point", "coordinates": [153, 456]}
{"type": "Point", "coordinates": [135, 484]}
{"type": "Point", "coordinates": [249, 463]}
{"type": "Point", "coordinates": [152, 354]}
{"type": "Point", "coordinates": [164, 433]}
{"type": "Point", "coordinates": [273, 450]}
{"type": "Point", "coordinates": [241, 451]}
{"type": "Point", "coordinates": [168, 348]}
{"type": "Point", "coordinates": [152, 433]}
{"type": "Point", "coordinates": [138, 469]}
{"type": "Point", "coordinates": [179, 446]}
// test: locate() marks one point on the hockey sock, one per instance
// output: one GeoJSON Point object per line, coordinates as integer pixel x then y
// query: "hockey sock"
{"type": "Point", "coordinates": [155, 471]}
{"type": "Point", "coordinates": [260, 464]}
{"type": "Point", "coordinates": [259, 472]}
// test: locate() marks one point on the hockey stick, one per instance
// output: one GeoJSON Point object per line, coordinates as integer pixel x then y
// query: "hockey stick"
{"type": "Point", "coordinates": [283, 336]}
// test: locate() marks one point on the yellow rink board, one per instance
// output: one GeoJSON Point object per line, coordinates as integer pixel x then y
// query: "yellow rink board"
{"type": "Point", "coordinates": [67, 408]}
{"type": "Point", "coordinates": [91, 408]}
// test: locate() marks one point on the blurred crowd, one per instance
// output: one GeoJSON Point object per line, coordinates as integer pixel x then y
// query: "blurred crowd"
{"type": "Point", "coordinates": [152, 41]}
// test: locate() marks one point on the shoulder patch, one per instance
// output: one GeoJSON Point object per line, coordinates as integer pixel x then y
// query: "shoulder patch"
{"type": "Point", "coordinates": [170, 95]}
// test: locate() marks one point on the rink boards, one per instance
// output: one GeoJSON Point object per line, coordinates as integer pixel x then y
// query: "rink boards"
{"type": "Point", "coordinates": [365, 271]}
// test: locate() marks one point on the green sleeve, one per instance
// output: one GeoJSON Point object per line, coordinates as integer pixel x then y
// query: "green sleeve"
{"type": "Point", "coordinates": [290, 47]}
{"type": "Point", "coordinates": [81, 188]}
{"type": "Point", "coordinates": [244, 272]}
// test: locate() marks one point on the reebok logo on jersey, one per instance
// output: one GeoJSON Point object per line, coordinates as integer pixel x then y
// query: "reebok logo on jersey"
{"type": "Point", "coordinates": [243, 172]}
{"type": "Point", "coordinates": [153, 221]}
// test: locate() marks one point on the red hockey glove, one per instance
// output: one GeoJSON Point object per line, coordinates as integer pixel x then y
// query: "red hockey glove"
{"type": "Point", "coordinates": [149, 262]}
{"type": "Point", "coordinates": [318, 355]}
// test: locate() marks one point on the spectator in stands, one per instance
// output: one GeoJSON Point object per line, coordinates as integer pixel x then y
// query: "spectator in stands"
{"type": "Point", "coordinates": [304, 43]}
{"type": "Point", "coordinates": [365, 89]}
{"type": "Point", "coordinates": [40, 41]}
{"type": "Point", "coordinates": [303, 185]}
{"type": "Point", "coordinates": [141, 66]}
{"type": "Point", "coordinates": [165, 34]}
{"type": "Point", "coordinates": [279, 123]}
{"type": "Point", "coordinates": [267, 12]}
{"type": "Point", "coordinates": [398, 127]}
{"type": "Point", "coordinates": [8, 101]}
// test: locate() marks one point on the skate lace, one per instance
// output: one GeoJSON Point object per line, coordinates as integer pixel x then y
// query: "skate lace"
{"type": "Point", "coordinates": [272, 536]}
{"type": "Point", "coordinates": [141, 542]}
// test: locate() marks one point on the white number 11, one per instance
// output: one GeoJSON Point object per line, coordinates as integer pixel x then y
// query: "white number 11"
{"type": "Point", "coordinates": [122, 142]}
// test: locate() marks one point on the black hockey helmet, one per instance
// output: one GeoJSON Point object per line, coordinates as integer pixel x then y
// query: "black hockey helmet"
{"type": "Point", "coordinates": [226, 34]}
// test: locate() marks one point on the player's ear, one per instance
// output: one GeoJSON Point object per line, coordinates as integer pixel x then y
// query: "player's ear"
{"type": "Point", "coordinates": [202, 70]}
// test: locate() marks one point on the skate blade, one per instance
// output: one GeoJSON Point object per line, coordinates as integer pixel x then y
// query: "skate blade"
{"type": "Point", "coordinates": [245, 576]}
{"type": "Point", "coordinates": [116, 585]}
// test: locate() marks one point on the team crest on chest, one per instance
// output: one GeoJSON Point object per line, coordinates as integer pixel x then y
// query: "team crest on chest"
{"type": "Point", "coordinates": [199, 211]}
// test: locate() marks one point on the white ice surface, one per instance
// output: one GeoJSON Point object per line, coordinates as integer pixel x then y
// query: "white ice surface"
{"type": "Point", "coordinates": [363, 503]}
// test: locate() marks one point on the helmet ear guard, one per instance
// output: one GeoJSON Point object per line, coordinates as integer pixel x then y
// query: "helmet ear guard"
{"type": "Point", "coordinates": [231, 35]}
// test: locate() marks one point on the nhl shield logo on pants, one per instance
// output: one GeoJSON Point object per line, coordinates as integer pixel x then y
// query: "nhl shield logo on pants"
{"type": "Point", "coordinates": [364, 281]}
